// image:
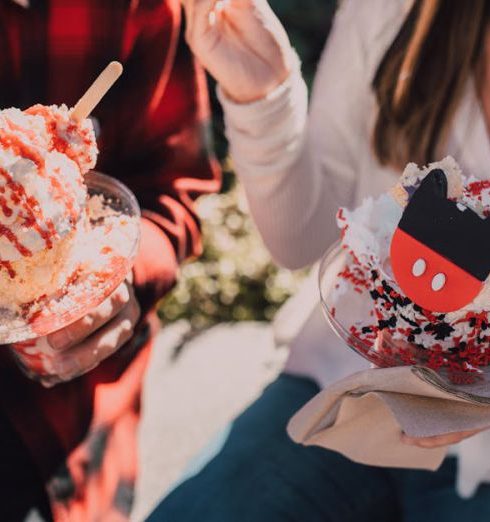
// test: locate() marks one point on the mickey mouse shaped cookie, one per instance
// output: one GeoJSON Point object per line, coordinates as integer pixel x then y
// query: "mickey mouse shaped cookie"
{"type": "Point", "coordinates": [440, 251]}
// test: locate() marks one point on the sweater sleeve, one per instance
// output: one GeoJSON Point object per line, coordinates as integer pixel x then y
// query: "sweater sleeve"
{"type": "Point", "coordinates": [298, 169]}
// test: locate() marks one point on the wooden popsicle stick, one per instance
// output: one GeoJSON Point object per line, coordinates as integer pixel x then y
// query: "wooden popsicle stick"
{"type": "Point", "coordinates": [106, 79]}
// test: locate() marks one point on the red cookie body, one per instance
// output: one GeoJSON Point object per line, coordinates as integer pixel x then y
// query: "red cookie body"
{"type": "Point", "coordinates": [428, 279]}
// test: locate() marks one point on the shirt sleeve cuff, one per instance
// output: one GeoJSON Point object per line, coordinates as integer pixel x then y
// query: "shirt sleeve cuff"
{"type": "Point", "coordinates": [244, 112]}
{"type": "Point", "coordinates": [264, 132]}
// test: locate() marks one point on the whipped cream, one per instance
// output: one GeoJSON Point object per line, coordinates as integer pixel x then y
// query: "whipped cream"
{"type": "Point", "coordinates": [43, 157]}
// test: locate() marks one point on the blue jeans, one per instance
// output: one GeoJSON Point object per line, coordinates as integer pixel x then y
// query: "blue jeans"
{"type": "Point", "coordinates": [260, 475]}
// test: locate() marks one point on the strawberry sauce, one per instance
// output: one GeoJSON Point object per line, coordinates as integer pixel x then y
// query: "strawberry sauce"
{"type": "Point", "coordinates": [33, 215]}
{"type": "Point", "coordinates": [23, 150]}
{"type": "Point", "coordinates": [24, 142]}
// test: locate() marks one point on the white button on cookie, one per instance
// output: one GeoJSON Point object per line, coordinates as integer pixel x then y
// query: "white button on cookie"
{"type": "Point", "coordinates": [419, 267]}
{"type": "Point", "coordinates": [438, 282]}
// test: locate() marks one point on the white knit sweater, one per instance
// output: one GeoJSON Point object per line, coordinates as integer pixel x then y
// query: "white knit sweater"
{"type": "Point", "coordinates": [297, 169]}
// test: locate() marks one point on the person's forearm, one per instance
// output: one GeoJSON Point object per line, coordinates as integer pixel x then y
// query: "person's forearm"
{"type": "Point", "coordinates": [244, 46]}
{"type": "Point", "coordinates": [293, 206]}
{"type": "Point", "coordinates": [296, 170]}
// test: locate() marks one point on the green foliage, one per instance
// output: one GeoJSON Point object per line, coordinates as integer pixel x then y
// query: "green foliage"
{"type": "Point", "coordinates": [235, 279]}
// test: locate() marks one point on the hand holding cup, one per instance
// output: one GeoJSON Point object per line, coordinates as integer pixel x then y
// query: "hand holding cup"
{"type": "Point", "coordinates": [83, 345]}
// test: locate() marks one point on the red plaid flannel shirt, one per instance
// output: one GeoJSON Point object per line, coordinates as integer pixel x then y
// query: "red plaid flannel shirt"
{"type": "Point", "coordinates": [154, 137]}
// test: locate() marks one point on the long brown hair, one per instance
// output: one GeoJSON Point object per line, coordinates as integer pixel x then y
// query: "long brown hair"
{"type": "Point", "coordinates": [422, 76]}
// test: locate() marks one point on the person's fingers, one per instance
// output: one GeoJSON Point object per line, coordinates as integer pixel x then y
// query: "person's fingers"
{"type": "Point", "coordinates": [439, 440]}
{"type": "Point", "coordinates": [190, 7]}
{"type": "Point", "coordinates": [203, 16]}
{"type": "Point", "coordinates": [75, 333]}
{"type": "Point", "coordinates": [100, 345]}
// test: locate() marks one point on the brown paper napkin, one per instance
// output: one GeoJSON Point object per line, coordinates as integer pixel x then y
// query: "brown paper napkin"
{"type": "Point", "coordinates": [363, 415]}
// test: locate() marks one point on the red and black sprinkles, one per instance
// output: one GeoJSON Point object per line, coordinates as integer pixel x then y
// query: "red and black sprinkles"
{"type": "Point", "coordinates": [397, 331]}
{"type": "Point", "coordinates": [415, 335]}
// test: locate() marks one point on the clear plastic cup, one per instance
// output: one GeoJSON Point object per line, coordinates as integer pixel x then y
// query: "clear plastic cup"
{"type": "Point", "coordinates": [107, 253]}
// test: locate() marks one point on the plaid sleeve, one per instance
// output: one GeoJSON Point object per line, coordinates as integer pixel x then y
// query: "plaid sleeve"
{"type": "Point", "coordinates": [161, 148]}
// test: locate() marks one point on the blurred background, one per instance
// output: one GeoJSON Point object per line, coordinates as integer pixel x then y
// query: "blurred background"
{"type": "Point", "coordinates": [216, 352]}
{"type": "Point", "coordinates": [235, 279]}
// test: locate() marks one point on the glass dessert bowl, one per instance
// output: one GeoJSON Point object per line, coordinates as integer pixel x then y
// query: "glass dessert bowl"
{"type": "Point", "coordinates": [356, 299]}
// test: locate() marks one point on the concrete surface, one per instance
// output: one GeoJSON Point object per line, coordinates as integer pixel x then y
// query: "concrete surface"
{"type": "Point", "coordinates": [189, 398]}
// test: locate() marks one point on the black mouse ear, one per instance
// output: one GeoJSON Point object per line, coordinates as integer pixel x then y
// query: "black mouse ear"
{"type": "Point", "coordinates": [434, 185]}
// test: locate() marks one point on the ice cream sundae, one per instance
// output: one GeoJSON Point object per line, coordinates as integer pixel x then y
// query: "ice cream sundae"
{"type": "Point", "coordinates": [43, 158]}
{"type": "Point", "coordinates": [68, 236]}
{"type": "Point", "coordinates": [417, 260]}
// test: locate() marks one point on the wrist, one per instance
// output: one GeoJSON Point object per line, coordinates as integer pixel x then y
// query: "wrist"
{"type": "Point", "coordinates": [291, 86]}
{"type": "Point", "coordinates": [262, 88]}
{"type": "Point", "coordinates": [249, 96]}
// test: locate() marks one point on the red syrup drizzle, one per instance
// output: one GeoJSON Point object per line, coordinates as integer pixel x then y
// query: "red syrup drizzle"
{"type": "Point", "coordinates": [10, 235]}
{"type": "Point", "coordinates": [31, 135]}
{"type": "Point", "coordinates": [4, 205]}
{"type": "Point", "coordinates": [57, 142]}
{"type": "Point", "coordinates": [8, 266]}
{"type": "Point", "coordinates": [31, 207]}
{"type": "Point", "coordinates": [60, 145]}
{"type": "Point", "coordinates": [33, 216]}
{"type": "Point", "coordinates": [21, 149]}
